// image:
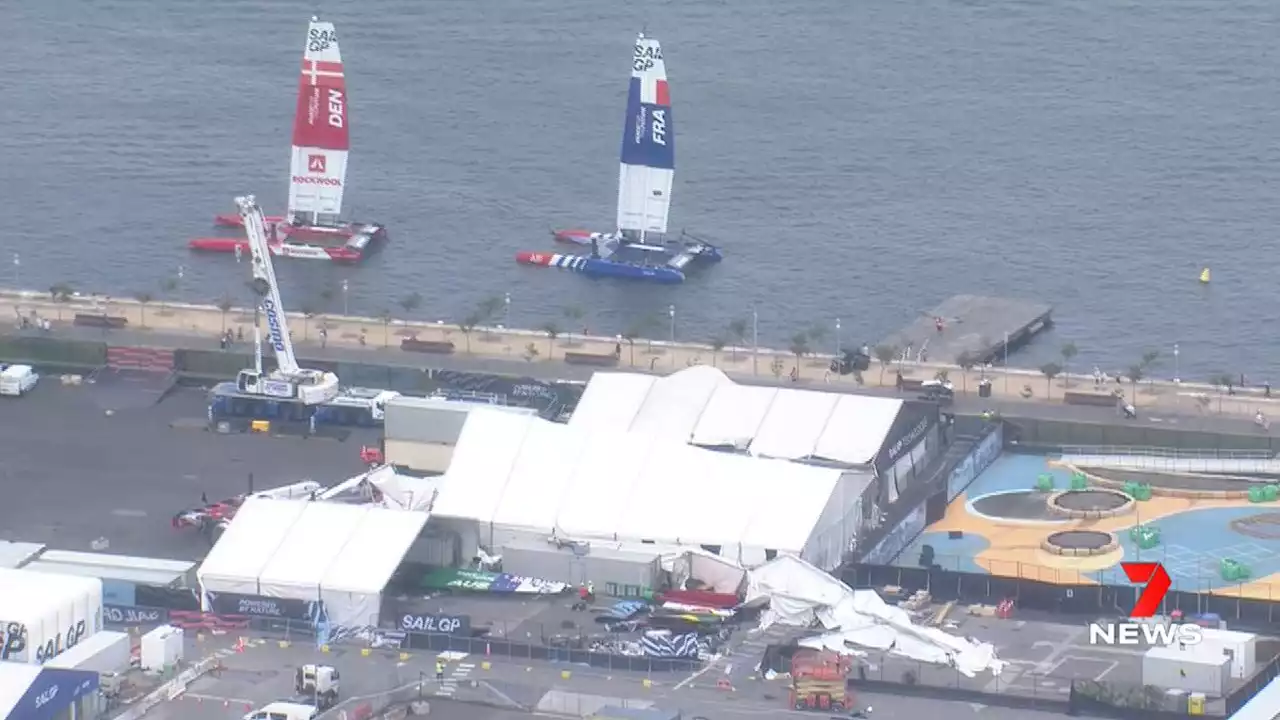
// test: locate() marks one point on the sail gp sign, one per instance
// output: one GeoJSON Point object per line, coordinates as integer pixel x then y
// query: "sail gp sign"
{"type": "Point", "coordinates": [1144, 630]}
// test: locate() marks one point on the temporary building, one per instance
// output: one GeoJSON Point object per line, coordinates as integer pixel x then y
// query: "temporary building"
{"type": "Point", "coordinates": [702, 406]}
{"type": "Point", "coordinates": [339, 555]}
{"type": "Point", "coordinates": [521, 481]}
{"type": "Point", "coordinates": [42, 614]}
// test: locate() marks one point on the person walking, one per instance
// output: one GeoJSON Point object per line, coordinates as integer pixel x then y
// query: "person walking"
{"type": "Point", "coordinates": [440, 671]}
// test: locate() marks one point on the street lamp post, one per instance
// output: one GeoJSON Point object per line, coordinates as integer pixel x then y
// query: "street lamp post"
{"type": "Point", "coordinates": [1006, 363]}
{"type": "Point", "coordinates": [755, 341]}
{"type": "Point", "coordinates": [17, 264]}
{"type": "Point", "coordinates": [671, 313]}
{"type": "Point", "coordinates": [346, 286]}
{"type": "Point", "coordinates": [1177, 374]}
{"type": "Point", "coordinates": [837, 338]}
{"type": "Point", "coordinates": [506, 311]}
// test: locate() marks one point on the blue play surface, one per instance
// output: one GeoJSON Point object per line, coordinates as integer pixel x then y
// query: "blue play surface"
{"type": "Point", "coordinates": [1193, 543]}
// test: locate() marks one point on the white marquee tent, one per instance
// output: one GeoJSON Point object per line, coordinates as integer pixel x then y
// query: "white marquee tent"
{"type": "Point", "coordinates": [523, 479]}
{"type": "Point", "coordinates": [702, 406]}
{"type": "Point", "coordinates": [342, 555]}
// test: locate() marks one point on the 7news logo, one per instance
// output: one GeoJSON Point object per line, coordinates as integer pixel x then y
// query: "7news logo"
{"type": "Point", "coordinates": [1156, 582]}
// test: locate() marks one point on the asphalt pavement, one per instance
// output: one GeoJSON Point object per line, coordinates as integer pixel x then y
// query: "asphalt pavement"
{"type": "Point", "coordinates": [74, 474]}
{"type": "Point", "coordinates": [505, 689]}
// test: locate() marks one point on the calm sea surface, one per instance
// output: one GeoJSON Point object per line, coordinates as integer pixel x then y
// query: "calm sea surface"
{"type": "Point", "coordinates": [858, 160]}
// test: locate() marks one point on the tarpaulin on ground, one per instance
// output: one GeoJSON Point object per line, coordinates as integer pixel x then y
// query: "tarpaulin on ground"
{"type": "Point", "coordinates": [700, 598]}
{"type": "Point", "coordinates": [664, 645]}
{"type": "Point", "coordinates": [481, 581]}
{"type": "Point", "coordinates": [522, 585]}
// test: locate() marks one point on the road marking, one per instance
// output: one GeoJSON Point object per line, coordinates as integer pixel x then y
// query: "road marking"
{"type": "Point", "coordinates": [1112, 666]}
{"type": "Point", "coordinates": [217, 698]}
{"type": "Point", "coordinates": [125, 512]}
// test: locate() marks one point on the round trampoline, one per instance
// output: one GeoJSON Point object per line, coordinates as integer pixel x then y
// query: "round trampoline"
{"type": "Point", "coordinates": [1017, 505]}
{"type": "Point", "coordinates": [1090, 504]}
{"type": "Point", "coordinates": [1265, 526]}
{"type": "Point", "coordinates": [1080, 543]}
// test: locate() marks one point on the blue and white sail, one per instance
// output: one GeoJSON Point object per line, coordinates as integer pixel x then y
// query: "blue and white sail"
{"type": "Point", "coordinates": [648, 145]}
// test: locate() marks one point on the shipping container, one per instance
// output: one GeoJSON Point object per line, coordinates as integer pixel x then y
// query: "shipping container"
{"type": "Point", "coordinates": [614, 570]}
{"type": "Point", "coordinates": [1170, 668]}
{"type": "Point", "coordinates": [434, 420]}
{"type": "Point", "coordinates": [419, 456]}
{"type": "Point", "coordinates": [43, 615]}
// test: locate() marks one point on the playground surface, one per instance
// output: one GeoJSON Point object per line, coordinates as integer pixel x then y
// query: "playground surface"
{"type": "Point", "coordinates": [1003, 521]}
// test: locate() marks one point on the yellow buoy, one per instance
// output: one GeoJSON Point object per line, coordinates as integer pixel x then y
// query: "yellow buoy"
{"type": "Point", "coordinates": [1204, 276]}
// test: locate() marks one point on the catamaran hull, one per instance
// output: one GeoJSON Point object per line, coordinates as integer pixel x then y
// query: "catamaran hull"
{"type": "Point", "coordinates": [602, 268]}
{"type": "Point", "coordinates": [301, 232]}
{"type": "Point", "coordinates": [290, 248]}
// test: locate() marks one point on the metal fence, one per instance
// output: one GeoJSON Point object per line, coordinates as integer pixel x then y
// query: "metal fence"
{"type": "Point", "coordinates": [527, 641]}
{"type": "Point", "coordinates": [1163, 452]}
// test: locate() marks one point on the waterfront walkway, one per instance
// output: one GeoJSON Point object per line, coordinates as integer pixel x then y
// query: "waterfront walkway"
{"type": "Point", "coordinates": [519, 351]}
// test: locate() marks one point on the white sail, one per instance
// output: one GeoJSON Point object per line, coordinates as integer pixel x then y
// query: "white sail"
{"type": "Point", "coordinates": [648, 144]}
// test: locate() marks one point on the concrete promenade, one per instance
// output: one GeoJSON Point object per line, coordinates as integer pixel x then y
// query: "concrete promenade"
{"type": "Point", "coordinates": [528, 351]}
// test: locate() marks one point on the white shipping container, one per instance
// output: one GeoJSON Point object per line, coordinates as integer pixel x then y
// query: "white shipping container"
{"type": "Point", "coordinates": [105, 653]}
{"type": "Point", "coordinates": [42, 615]}
{"type": "Point", "coordinates": [1169, 668]}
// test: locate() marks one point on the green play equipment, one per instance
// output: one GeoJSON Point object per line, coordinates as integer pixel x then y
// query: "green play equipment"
{"type": "Point", "coordinates": [1044, 483]}
{"type": "Point", "coordinates": [1079, 481]}
{"type": "Point", "coordinates": [1137, 491]}
{"type": "Point", "coordinates": [1234, 570]}
{"type": "Point", "coordinates": [1145, 536]}
{"type": "Point", "coordinates": [1271, 492]}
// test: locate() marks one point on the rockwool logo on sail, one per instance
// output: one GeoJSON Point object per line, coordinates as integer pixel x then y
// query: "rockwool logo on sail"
{"type": "Point", "coordinates": [1156, 583]}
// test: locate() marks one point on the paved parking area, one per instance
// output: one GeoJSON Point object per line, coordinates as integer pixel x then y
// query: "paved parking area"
{"type": "Point", "coordinates": [73, 474]}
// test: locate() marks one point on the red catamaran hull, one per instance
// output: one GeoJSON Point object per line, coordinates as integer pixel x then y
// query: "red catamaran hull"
{"type": "Point", "coordinates": [288, 248]}
{"type": "Point", "coordinates": [300, 232]}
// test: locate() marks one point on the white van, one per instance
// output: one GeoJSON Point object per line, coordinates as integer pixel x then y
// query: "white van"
{"type": "Point", "coordinates": [17, 380]}
{"type": "Point", "coordinates": [284, 711]}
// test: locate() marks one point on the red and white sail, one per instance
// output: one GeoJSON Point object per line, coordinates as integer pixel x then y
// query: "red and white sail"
{"type": "Point", "coordinates": [321, 133]}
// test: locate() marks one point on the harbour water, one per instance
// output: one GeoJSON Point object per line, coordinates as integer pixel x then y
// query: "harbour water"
{"type": "Point", "coordinates": [857, 160]}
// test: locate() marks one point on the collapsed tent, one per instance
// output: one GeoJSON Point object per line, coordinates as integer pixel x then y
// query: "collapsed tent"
{"type": "Point", "coordinates": [801, 595]}
{"type": "Point", "coordinates": [327, 560]}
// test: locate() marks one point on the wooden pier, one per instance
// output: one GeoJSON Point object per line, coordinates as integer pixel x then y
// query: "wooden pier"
{"type": "Point", "coordinates": [972, 325]}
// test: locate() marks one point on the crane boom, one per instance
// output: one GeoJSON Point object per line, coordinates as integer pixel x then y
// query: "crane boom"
{"type": "Point", "coordinates": [264, 281]}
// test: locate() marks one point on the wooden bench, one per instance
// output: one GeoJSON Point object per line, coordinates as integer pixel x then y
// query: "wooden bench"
{"type": "Point", "coordinates": [593, 359]}
{"type": "Point", "coordinates": [106, 322]}
{"type": "Point", "coordinates": [1097, 399]}
{"type": "Point", "coordinates": [438, 347]}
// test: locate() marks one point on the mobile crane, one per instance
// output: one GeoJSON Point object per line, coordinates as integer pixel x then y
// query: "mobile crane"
{"type": "Point", "coordinates": [288, 381]}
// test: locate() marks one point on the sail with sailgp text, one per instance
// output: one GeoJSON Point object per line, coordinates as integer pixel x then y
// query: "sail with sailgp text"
{"type": "Point", "coordinates": [648, 144]}
{"type": "Point", "coordinates": [321, 132]}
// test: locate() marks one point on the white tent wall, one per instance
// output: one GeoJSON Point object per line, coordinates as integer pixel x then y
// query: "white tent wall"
{"type": "Point", "coordinates": [615, 460]}
{"type": "Point", "coordinates": [54, 611]}
{"type": "Point", "coordinates": [302, 559]}
{"type": "Point", "coordinates": [838, 524]}
{"type": "Point", "coordinates": [734, 415]}
{"type": "Point", "coordinates": [352, 586]}
{"type": "Point", "coordinates": [575, 484]}
{"type": "Point", "coordinates": [674, 404]}
{"type": "Point", "coordinates": [795, 421]}
{"type": "Point", "coordinates": [702, 406]}
{"type": "Point", "coordinates": [539, 479]}
{"type": "Point", "coordinates": [857, 429]}
{"type": "Point", "coordinates": [477, 476]}
{"type": "Point", "coordinates": [236, 561]}
{"type": "Point", "coordinates": [611, 401]}
{"type": "Point", "coordinates": [790, 500]}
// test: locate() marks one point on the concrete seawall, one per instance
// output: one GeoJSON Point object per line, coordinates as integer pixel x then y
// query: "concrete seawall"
{"type": "Point", "coordinates": [522, 351]}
